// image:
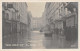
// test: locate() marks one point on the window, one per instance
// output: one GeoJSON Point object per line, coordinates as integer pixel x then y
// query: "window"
{"type": "Point", "coordinates": [18, 17]}
{"type": "Point", "coordinates": [3, 14]}
{"type": "Point", "coordinates": [66, 10]}
{"type": "Point", "coordinates": [74, 9]}
{"type": "Point", "coordinates": [59, 11]}
{"type": "Point", "coordinates": [7, 16]}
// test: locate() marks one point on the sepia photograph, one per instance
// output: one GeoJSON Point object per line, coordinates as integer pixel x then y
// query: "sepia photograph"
{"type": "Point", "coordinates": [39, 25]}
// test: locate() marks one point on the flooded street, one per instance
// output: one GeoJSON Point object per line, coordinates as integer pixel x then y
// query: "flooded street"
{"type": "Point", "coordinates": [40, 41]}
{"type": "Point", "coordinates": [37, 39]}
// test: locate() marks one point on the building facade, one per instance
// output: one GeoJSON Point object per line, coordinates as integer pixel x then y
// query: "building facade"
{"type": "Point", "coordinates": [15, 22]}
{"type": "Point", "coordinates": [36, 23]}
{"type": "Point", "coordinates": [62, 19]}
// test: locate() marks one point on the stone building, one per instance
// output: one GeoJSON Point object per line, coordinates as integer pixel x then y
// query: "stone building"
{"type": "Point", "coordinates": [15, 22]}
{"type": "Point", "coordinates": [54, 11]}
{"type": "Point", "coordinates": [36, 23]}
{"type": "Point", "coordinates": [62, 18]}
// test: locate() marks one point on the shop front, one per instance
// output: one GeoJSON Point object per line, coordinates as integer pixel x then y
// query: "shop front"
{"type": "Point", "coordinates": [71, 30]}
{"type": "Point", "coordinates": [58, 27]}
{"type": "Point", "coordinates": [59, 32]}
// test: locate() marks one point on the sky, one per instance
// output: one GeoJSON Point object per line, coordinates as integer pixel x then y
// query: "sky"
{"type": "Point", "coordinates": [36, 8]}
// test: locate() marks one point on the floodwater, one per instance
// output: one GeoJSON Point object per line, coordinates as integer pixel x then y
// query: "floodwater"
{"type": "Point", "coordinates": [38, 40]}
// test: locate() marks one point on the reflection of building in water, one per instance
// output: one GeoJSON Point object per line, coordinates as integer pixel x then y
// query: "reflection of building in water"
{"type": "Point", "coordinates": [15, 22]}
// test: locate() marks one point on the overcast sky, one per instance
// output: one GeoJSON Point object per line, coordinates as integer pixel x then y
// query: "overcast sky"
{"type": "Point", "coordinates": [36, 8]}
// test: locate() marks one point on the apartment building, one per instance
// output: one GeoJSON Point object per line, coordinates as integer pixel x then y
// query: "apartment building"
{"type": "Point", "coordinates": [62, 18]}
{"type": "Point", "coordinates": [15, 22]}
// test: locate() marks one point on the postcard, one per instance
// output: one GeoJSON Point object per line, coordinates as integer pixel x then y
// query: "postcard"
{"type": "Point", "coordinates": [40, 25]}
